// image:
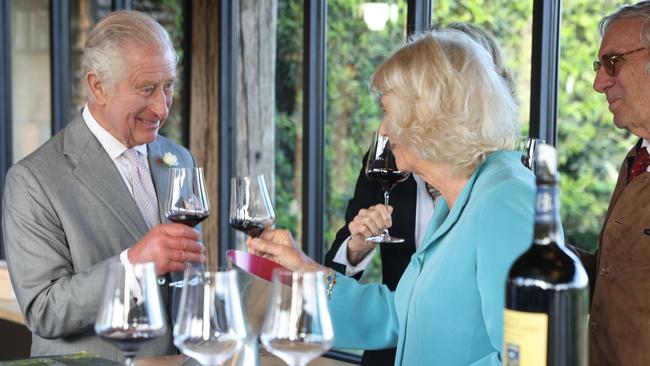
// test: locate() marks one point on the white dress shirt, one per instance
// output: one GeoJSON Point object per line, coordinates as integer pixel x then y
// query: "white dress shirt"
{"type": "Point", "coordinates": [423, 212]}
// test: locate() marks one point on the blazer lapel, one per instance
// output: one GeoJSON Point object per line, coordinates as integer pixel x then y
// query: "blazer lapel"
{"type": "Point", "coordinates": [96, 170]}
{"type": "Point", "coordinates": [443, 219]}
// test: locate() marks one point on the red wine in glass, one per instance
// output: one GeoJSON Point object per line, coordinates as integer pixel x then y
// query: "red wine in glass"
{"type": "Point", "coordinates": [128, 341]}
{"type": "Point", "coordinates": [187, 199]}
{"type": "Point", "coordinates": [251, 210]}
{"type": "Point", "coordinates": [250, 227]}
{"type": "Point", "coordinates": [381, 168]}
{"type": "Point", "coordinates": [187, 219]}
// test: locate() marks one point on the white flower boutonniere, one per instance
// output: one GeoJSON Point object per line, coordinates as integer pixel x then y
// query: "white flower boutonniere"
{"type": "Point", "coordinates": [170, 159]}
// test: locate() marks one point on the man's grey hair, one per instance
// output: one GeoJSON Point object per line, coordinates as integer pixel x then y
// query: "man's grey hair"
{"type": "Point", "coordinates": [638, 10]}
{"type": "Point", "coordinates": [112, 35]}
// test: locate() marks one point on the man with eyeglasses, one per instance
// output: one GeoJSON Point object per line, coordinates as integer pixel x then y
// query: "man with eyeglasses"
{"type": "Point", "coordinates": [619, 323]}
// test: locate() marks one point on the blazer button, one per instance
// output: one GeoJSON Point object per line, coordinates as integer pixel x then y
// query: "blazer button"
{"type": "Point", "coordinates": [161, 280]}
{"type": "Point", "coordinates": [593, 325]}
{"type": "Point", "coordinates": [604, 271]}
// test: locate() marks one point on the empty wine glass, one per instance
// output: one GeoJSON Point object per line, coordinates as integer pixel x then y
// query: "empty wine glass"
{"type": "Point", "coordinates": [210, 326]}
{"type": "Point", "coordinates": [381, 168]}
{"type": "Point", "coordinates": [297, 327]}
{"type": "Point", "coordinates": [528, 147]}
{"type": "Point", "coordinates": [251, 210]}
{"type": "Point", "coordinates": [131, 313]}
{"type": "Point", "coordinates": [187, 199]}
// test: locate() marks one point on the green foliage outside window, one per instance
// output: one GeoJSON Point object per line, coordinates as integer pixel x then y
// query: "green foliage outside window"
{"type": "Point", "coordinates": [590, 147]}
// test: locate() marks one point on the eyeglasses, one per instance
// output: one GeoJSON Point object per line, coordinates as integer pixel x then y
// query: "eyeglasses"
{"type": "Point", "coordinates": [609, 61]}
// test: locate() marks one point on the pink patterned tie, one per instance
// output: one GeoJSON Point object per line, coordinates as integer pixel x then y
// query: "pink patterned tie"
{"type": "Point", "coordinates": [144, 192]}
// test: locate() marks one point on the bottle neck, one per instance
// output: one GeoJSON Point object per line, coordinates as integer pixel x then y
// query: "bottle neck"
{"type": "Point", "coordinates": [547, 215]}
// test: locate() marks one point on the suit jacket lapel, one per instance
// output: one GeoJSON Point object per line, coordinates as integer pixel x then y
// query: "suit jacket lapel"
{"type": "Point", "coordinates": [96, 170]}
{"type": "Point", "coordinates": [443, 219]}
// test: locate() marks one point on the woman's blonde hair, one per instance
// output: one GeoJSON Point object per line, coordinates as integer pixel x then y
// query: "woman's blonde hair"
{"type": "Point", "coordinates": [447, 101]}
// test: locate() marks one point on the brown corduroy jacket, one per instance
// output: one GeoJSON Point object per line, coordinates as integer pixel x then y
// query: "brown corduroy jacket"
{"type": "Point", "coordinates": [619, 324]}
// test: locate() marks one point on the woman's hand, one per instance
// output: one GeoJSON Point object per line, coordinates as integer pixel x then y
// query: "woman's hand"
{"type": "Point", "coordinates": [279, 246]}
{"type": "Point", "coordinates": [368, 222]}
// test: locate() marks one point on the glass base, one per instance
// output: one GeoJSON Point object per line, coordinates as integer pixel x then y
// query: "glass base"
{"type": "Point", "coordinates": [385, 239]}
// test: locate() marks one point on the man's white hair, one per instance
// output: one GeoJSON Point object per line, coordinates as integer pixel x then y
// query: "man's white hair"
{"type": "Point", "coordinates": [113, 35]}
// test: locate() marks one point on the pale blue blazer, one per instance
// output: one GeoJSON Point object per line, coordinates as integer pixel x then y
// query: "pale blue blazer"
{"type": "Point", "coordinates": [448, 306]}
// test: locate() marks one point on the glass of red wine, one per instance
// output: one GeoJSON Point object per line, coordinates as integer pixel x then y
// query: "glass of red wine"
{"type": "Point", "coordinates": [187, 199]}
{"type": "Point", "coordinates": [381, 168]}
{"type": "Point", "coordinates": [131, 313]}
{"type": "Point", "coordinates": [251, 210]}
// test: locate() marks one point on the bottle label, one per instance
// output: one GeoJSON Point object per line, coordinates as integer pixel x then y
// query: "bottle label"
{"type": "Point", "coordinates": [524, 338]}
{"type": "Point", "coordinates": [545, 205]}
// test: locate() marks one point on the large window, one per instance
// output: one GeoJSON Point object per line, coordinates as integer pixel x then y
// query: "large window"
{"type": "Point", "coordinates": [30, 49]}
{"type": "Point", "coordinates": [360, 35]}
{"type": "Point", "coordinates": [591, 149]}
{"type": "Point", "coordinates": [288, 115]}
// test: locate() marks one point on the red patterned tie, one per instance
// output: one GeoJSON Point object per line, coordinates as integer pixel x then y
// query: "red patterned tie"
{"type": "Point", "coordinates": [640, 164]}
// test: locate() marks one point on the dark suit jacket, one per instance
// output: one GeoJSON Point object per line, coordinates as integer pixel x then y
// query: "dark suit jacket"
{"type": "Point", "coordinates": [394, 257]}
{"type": "Point", "coordinates": [67, 215]}
{"type": "Point", "coordinates": [619, 330]}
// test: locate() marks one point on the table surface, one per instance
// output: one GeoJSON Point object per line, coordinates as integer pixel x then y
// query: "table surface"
{"type": "Point", "coordinates": [9, 310]}
{"type": "Point", "coordinates": [265, 360]}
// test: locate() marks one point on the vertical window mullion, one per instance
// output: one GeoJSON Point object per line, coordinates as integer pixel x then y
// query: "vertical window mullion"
{"type": "Point", "coordinates": [228, 54]}
{"type": "Point", "coordinates": [5, 99]}
{"type": "Point", "coordinates": [314, 87]}
{"type": "Point", "coordinates": [418, 16]}
{"type": "Point", "coordinates": [122, 4]}
{"type": "Point", "coordinates": [60, 63]}
{"type": "Point", "coordinates": [544, 69]}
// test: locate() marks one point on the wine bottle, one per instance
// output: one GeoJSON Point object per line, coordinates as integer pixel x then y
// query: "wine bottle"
{"type": "Point", "coordinates": [547, 292]}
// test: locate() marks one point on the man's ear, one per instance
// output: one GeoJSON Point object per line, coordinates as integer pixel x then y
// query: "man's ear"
{"type": "Point", "coordinates": [96, 88]}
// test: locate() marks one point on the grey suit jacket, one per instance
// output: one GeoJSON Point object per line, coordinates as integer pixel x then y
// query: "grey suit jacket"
{"type": "Point", "coordinates": [67, 215]}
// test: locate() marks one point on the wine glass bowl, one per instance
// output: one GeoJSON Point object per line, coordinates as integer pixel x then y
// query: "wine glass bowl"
{"type": "Point", "coordinates": [210, 326]}
{"type": "Point", "coordinates": [131, 313]}
{"type": "Point", "coordinates": [382, 168]}
{"type": "Point", "coordinates": [251, 210]}
{"type": "Point", "coordinates": [297, 327]}
{"type": "Point", "coordinates": [187, 199]}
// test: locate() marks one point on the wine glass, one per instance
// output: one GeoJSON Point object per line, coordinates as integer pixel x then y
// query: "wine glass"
{"type": "Point", "coordinates": [528, 147]}
{"type": "Point", "coordinates": [210, 326]}
{"type": "Point", "coordinates": [297, 327]}
{"type": "Point", "coordinates": [251, 210]}
{"type": "Point", "coordinates": [187, 199]}
{"type": "Point", "coordinates": [131, 313]}
{"type": "Point", "coordinates": [381, 168]}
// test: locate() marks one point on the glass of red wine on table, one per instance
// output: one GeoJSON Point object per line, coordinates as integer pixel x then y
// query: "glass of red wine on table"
{"type": "Point", "coordinates": [131, 313]}
{"type": "Point", "coordinates": [251, 210]}
{"type": "Point", "coordinates": [381, 168]}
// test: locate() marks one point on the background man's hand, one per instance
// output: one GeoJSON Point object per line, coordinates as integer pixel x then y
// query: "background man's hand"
{"type": "Point", "coordinates": [170, 246]}
{"type": "Point", "coordinates": [368, 222]}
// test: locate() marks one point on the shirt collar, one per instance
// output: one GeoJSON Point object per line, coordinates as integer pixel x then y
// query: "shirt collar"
{"type": "Point", "coordinates": [114, 148]}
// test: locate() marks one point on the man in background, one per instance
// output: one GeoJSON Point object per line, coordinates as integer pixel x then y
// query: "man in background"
{"type": "Point", "coordinates": [90, 196]}
{"type": "Point", "coordinates": [620, 270]}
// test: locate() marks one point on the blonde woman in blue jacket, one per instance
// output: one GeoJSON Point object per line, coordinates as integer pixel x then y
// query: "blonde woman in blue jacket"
{"type": "Point", "coordinates": [452, 120]}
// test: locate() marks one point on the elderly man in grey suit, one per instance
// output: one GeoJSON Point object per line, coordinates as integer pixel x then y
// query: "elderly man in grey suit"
{"type": "Point", "coordinates": [73, 208]}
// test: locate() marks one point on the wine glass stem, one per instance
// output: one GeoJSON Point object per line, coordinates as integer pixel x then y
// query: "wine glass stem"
{"type": "Point", "coordinates": [386, 193]}
{"type": "Point", "coordinates": [128, 360]}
